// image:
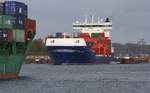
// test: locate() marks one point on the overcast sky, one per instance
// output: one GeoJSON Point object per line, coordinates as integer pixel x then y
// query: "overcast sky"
{"type": "Point", "coordinates": [131, 18]}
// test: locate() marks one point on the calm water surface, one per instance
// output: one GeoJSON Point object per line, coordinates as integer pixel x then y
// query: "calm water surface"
{"type": "Point", "coordinates": [80, 79]}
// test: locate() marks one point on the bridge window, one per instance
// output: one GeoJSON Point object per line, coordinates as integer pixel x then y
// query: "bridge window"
{"type": "Point", "coordinates": [52, 41]}
{"type": "Point", "coordinates": [77, 41]}
{"type": "Point", "coordinates": [92, 25]}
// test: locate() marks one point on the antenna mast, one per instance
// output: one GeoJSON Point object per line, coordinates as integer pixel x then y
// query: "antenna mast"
{"type": "Point", "coordinates": [86, 18]}
{"type": "Point", "coordinates": [92, 18]}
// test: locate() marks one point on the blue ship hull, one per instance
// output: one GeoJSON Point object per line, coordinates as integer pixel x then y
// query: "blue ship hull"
{"type": "Point", "coordinates": [103, 59]}
{"type": "Point", "coordinates": [75, 55]}
{"type": "Point", "coordinates": [71, 55]}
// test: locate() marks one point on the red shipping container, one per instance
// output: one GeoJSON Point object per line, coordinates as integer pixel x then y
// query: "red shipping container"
{"type": "Point", "coordinates": [98, 49]}
{"type": "Point", "coordinates": [107, 52]}
{"type": "Point", "coordinates": [30, 25]}
{"type": "Point", "coordinates": [87, 39]}
{"type": "Point", "coordinates": [106, 41]}
{"type": "Point", "coordinates": [102, 34]}
{"type": "Point", "coordinates": [6, 35]}
{"type": "Point", "coordinates": [98, 45]}
{"type": "Point", "coordinates": [102, 51]}
{"type": "Point", "coordinates": [100, 40]}
{"type": "Point", "coordinates": [84, 35]}
{"type": "Point", "coordinates": [94, 40]}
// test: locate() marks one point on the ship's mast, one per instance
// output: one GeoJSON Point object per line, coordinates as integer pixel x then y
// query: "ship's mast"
{"type": "Point", "coordinates": [86, 18]}
{"type": "Point", "coordinates": [99, 26]}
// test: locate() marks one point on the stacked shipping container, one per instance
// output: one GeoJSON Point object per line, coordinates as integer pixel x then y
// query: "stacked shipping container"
{"type": "Point", "coordinates": [98, 43]}
{"type": "Point", "coordinates": [15, 8]}
{"type": "Point", "coordinates": [14, 17]}
{"type": "Point", "coordinates": [6, 35]}
{"type": "Point", "coordinates": [30, 28]}
{"type": "Point", "coordinates": [6, 22]}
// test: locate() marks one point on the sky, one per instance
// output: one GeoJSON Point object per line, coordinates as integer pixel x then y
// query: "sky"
{"type": "Point", "coordinates": [131, 18]}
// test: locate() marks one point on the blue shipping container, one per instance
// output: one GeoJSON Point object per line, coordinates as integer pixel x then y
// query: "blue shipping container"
{"type": "Point", "coordinates": [1, 8]}
{"type": "Point", "coordinates": [15, 8]}
{"type": "Point", "coordinates": [19, 22]}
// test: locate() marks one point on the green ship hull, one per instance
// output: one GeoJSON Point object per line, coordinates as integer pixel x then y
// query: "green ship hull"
{"type": "Point", "coordinates": [12, 56]}
{"type": "Point", "coordinates": [10, 66]}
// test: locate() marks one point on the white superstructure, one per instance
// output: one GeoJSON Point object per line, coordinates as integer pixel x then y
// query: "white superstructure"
{"type": "Point", "coordinates": [65, 42]}
{"type": "Point", "coordinates": [99, 26]}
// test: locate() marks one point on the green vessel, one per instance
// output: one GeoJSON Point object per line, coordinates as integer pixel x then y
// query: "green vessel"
{"type": "Point", "coordinates": [13, 45]}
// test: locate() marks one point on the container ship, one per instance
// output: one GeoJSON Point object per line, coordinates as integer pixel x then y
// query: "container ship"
{"type": "Point", "coordinates": [89, 44]}
{"type": "Point", "coordinates": [97, 37]}
{"type": "Point", "coordinates": [16, 33]}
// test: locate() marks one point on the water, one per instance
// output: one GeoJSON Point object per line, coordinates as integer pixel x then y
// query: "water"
{"type": "Point", "coordinates": [80, 79]}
